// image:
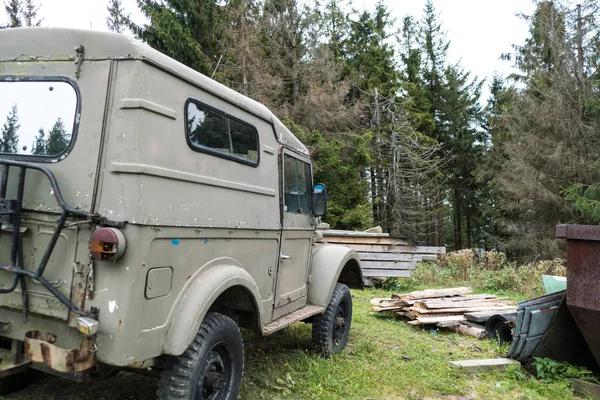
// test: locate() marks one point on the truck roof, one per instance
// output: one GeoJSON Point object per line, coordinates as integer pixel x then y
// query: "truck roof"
{"type": "Point", "coordinates": [48, 44]}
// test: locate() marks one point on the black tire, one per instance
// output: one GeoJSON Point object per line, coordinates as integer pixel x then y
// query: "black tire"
{"type": "Point", "coordinates": [330, 329]}
{"type": "Point", "coordinates": [211, 368]}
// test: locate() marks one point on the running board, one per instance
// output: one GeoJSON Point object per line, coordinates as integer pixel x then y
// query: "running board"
{"type": "Point", "coordinates": [288, 319]}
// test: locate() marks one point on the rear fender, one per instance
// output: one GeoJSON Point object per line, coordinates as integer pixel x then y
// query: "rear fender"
{"type": "Point", "coordinates": [195, 300]}
{"type": "Point", "coordinates": [332, 263]}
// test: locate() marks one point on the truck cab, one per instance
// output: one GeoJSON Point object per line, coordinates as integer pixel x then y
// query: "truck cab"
{"type": "Point", "coordinates": [147, 213]}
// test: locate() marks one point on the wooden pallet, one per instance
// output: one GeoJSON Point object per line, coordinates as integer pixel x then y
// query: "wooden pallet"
{"type": "Point", "coordinates": [381, 255]}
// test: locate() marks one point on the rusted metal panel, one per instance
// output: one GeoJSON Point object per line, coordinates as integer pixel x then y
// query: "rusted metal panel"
{"type": "Point", "coordinates": [287, 320]}
{"type": "Point", "coordinates": [583, 280]}
{"type": "Point", "coordinates": [578, 232]}
{"type": "Point", "coordinates": [40, 348]}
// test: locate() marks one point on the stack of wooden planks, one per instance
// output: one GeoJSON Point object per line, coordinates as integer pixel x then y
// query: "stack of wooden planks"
{"type": "Point", "coordinates": [445, 308]}
{"type": "Point", "coordinates": [381, 255]}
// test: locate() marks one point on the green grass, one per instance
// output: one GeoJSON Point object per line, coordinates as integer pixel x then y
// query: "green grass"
{"type": "Point", "coordinates": [385, 359]}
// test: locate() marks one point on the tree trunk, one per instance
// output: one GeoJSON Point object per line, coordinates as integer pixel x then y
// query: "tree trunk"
{"type": "Point", "coordinates": [245, 50]}
{"type": "Point", "coordinates": [440, 219]}
{"type": "Point", "coordinates": [457, 221]}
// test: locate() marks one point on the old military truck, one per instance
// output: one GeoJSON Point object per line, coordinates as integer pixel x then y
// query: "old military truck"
{"type": "Point", "coordinates": [147, 212]}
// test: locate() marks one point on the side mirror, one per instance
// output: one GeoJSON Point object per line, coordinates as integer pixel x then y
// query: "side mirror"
{"type": "Point", "coordinates": [319, 200]}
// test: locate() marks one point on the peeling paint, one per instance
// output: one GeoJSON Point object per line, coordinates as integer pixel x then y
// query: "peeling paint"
{"type": "Point", "coordinates": [112, 306]}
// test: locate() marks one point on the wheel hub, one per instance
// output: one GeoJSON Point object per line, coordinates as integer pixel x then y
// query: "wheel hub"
{"type": "Point", "coordinates": [214, 378]}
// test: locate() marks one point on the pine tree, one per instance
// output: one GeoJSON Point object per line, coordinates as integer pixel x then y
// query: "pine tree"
{"type": "Point", "coordinates": [58, 139]}
{"type": "Point", "coordinates": [116, 20]}
{"type": "Point", "coordinates": [9, 136]}
{"type": "Point", "coordinates": [39, 145]}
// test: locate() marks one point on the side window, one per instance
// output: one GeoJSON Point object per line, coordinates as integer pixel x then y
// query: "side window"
{"type": "Point", "coordinates": [297, 185]}
{"type": "Point", "coordinates": [214, 132]}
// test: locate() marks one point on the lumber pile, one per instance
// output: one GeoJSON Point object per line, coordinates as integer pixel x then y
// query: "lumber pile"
{"type": "Point", "coordinates": [381, 255]}
{"type": "Point", "coordinates": [446, 308]}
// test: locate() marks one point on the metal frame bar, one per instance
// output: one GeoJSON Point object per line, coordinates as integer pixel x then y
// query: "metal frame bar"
{"type": "Point", "coordinates": [12, 214]}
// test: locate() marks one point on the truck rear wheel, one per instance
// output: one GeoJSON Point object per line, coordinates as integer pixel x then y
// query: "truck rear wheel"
{"type": "Point", "coordinates": [330, 329]}
{"type": "Point", "coordinates": [211, 368]}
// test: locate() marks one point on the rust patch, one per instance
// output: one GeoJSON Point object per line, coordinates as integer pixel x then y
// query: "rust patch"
{"type": "Point", "coordinates": [143, 265]}
{"type": "Point", "coordinates": [119, 328]}
{"type": "Point", "coordinates": [40, 348]}
{"type": "Point", "coordinates": [188, 278]}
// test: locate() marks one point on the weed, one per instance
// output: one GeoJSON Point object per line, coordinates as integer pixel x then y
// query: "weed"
{"type": "Point", "coordinates": [490, 272]}
{"type": "Point", "coordinates": [548, 370]}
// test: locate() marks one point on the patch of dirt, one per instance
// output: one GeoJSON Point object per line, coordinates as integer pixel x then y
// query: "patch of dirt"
{"type": "Point", "coordinates": [123, 386]}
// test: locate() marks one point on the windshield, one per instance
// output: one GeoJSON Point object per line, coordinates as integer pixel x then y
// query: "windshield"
{"type": "Point", "coordinates": [36, 117]}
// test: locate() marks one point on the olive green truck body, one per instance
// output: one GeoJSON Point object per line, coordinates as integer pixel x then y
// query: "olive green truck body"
{"type": "Point", "coordinates": [162, 224]}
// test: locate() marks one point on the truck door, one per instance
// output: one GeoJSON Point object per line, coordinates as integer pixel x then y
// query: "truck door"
{"type": "Point", "coordinates": [297, 232]}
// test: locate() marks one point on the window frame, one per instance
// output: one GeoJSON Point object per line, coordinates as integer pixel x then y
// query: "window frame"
{"type": "Point", "coordinates": [207, 150]}
{"type": "Point", "coordinates": [309, 183]}
{"type": "Point", "coordinates": [76, 118]}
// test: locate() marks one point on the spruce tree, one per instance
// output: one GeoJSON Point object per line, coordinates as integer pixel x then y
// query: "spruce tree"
{"type": "Point", "coordinates": [188, 31]}
{"type": "Point", "coordinates": [13, 10]}
{"type": "Point", "coordinates": [9, 136]}
{"type": "Point", "coordinates": [550, 134]}
{"type": "Point", "coordinates": [39, 145]}
{"type": "Point", "coordinates": [116, 20]}
{"type": "Point", "coordinates": [58, 139]}
{"type": "Point", "coordinates": [29, 12]}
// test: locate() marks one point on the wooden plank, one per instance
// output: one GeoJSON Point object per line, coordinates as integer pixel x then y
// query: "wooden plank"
{"type": "Point", "coordinates": [461, 310]}
{"type": "Point", "coordinates": [386, 273]}
{"type": "Point", "coordinates": [338, 232]}
{"type": "Point", "coordinates": [431, 293]}
{"type": "Point", "coordinates": [380, 248]}
{"type": "Point", "coordinates": [364, 240]}
{"type": "Point", "coordinates": [378, 302]}
{"type": "Point", "coordinates": [483, 316]}
{"type": "Point", "coordinates": [485, 365]}
{"type": "Point", "coordinates": [364, 256]}
{"type": "Point", "coordinates": [435, 320]}
{"type": "Point", "coordinates": [382, 309]}
{"type": "Point", "coordinates": [586, 390]}
{"type": "Point", "coordinates": [388, 265]}
{"type": "Point", "coordinates": [464, 304]}
{"type": "Point", "coordinates": [429, 257]}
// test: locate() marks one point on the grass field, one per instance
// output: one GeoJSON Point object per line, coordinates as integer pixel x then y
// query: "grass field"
{"type": "Point", "coordinates": [384, 359]}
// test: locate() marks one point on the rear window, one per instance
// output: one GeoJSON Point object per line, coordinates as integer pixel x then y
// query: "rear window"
{"type": "Point", "coordinates": [212, 131]}
{"type": "Point", "coordinates": [37, 117]}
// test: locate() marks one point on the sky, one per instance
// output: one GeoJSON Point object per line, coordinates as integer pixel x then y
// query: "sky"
{"type": "Point", "coordinates": [479, 31]}
{"type": "Point", "coordinates": [39, 105]}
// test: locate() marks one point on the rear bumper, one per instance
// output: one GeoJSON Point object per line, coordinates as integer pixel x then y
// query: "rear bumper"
{"type": "Point", "coordinates": [45, 344]}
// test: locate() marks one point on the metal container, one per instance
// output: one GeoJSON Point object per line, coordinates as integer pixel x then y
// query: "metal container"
{"type": "Point", "coordinates": [583, 280]}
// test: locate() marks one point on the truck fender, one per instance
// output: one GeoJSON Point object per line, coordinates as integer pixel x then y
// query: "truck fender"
{"type": "Point", "coordinates": [329, 262]}
{"type": "Point", "coordinates": [195, 300]}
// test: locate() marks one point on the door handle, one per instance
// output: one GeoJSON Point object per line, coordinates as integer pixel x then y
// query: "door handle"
{"type": "Point", "coordinates": [284, 257]}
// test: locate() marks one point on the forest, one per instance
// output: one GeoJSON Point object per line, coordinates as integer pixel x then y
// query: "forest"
{"type": "Point", "coordinates": [402, 136]}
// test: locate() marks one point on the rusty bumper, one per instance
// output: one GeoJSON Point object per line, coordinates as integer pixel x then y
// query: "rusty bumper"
{"type": "Point", "coordinates": [40, 347]}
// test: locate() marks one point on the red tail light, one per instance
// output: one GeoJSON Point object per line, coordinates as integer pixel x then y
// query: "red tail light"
{"type": "Point", "coordinates": [107, 244]}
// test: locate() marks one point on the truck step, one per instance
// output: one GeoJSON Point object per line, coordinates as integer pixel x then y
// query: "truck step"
{"type": "Point", "coordinates": [288, 319]}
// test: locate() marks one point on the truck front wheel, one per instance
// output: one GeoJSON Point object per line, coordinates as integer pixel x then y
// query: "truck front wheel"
{"type": "Point", "coordinates": [330, 329]}
{"type": "Point", "coordinates": [211, 368]}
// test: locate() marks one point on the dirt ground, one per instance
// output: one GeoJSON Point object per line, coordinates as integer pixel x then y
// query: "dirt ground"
{"type": "Point", "coordinates": [124, 386]}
